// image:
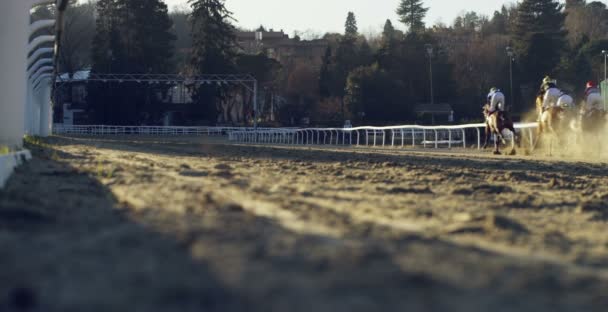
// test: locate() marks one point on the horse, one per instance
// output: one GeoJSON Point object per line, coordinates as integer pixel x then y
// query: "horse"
{"type": "Point", "coordinates": [550, 120]}
{"type": "Point", "coordinates": [495, 124]}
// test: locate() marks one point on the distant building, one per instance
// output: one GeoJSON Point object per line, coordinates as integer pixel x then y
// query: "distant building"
{"type": "Point", "coordinates": [287, 51]}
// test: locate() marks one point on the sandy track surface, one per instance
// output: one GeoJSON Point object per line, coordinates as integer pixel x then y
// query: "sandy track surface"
{"type": "Point", "coordinates": [138, 224]}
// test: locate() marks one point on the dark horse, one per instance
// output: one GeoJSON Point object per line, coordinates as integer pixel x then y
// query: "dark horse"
{"type": "Point", "coordinates": [495, 124]}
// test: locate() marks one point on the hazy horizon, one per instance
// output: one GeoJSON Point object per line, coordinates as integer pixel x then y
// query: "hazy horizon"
{"type": "Point", "coordinates": [291, 15]}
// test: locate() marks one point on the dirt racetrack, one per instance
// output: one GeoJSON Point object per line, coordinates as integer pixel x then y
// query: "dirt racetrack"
{"type": "Point", "coordinates": [159, 224]}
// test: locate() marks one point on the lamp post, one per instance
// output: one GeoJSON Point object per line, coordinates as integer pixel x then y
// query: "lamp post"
{"type": "Point", "coordinates": [511, 55]}
{"type": "Point", "coordinates": [605, 53]}
{"type": "Point", "coordinates": [429, 51]}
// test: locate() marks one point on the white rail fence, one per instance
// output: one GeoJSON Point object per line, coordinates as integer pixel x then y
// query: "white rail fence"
{"type": "Point", "coordinates": [411, 135]}
{"type": "Point", "coordinates": [408, 135]}
{"type": "Point", "coordinates": [147, 130]}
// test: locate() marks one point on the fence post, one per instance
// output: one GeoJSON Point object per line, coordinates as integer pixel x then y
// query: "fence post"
{"type": "Point", "coordinates": [464, 139]}
{"type": "Point", "coordinates": [424, 137]}
{"type": "Point", "coordinates": [449, 138]}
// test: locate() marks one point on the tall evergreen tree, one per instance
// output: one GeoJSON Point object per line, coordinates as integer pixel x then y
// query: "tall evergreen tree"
{"type": "Point", "coordinates": [325, 74]}
{"type": "Point", "coordinates": [412, 13]}
{"type": "Point", "coordinates": [388, 32]}
{"type": "Point", "coordinates": [213, 51]}
{"type": "Point", "coordinates": [539, 36]}
{"type": "Point", "coordinates": [132, 36]}
{"type": "Point", "coordinates": [350, 27]}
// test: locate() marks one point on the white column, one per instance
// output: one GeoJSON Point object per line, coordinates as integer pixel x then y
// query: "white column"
{"type": "Point", "coordinates": [35, 118]}
{"type": "Point", "coordinates": [29, 108]}
{"type": "Point", "coordinates": [38, 25]}
{"type": "Point", "coordinates": [46, 111]}
{"type": "Point", "coordinates": [14, 29]}
{"type": "Point", "coordinates": [36, 55]}
{"type": "Point", "coordinates": [39, 64]}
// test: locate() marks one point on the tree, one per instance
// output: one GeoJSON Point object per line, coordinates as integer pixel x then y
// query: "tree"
{"type": "Point", "coordinates": [574, 3]}
{"type": "Point", "coordinates": [412, 14]}
{"type": "Point", "coordinates": [268, 73]}
{"type": "Point", "coordinates": [132, 36]}
{"type": "Point", "coordinates": [539, 36]}
{"type": "Point", "coordinates": [350, 27]}
{"type": "Point", "coordinates": [302, 92]}
{"type": "Point", "coordinates": [388, 32]}
{"type": "Point", "coordinates": [325, 74]}
{"type": "Point", "coordinates": [182, 31]}
{"type": "Point", "coordinates": [213, 51]}
{"type": "Point", "coordinates": [79, 25]}
{"type": "Point", "coordinates": [590, 20]}
{"type": "Point", "coordinates": [372, 94]}
{"type": "Point", "coordinates": [499, 23]}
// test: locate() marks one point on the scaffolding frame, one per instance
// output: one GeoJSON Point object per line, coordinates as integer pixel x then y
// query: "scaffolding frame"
{"type": "Point", "coordinates": [248, 81]}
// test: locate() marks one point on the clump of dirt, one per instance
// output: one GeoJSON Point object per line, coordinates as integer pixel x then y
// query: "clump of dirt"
{"type": "Point", "coordinates": [406, 190]}
{"type": "Point", "coordinates": [481, 189]}
{"type": "Point", "coordinates": [597, 204]}
{"type": "Point", "coordinates": [486, 224]}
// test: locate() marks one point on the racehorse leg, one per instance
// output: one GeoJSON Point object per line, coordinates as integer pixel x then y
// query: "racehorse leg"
{"type": "Point", "coordinates": [487, 139]}
{"type": "Point", "coordinates": [496, 151]}
{"type": "Point", "coordinates": [538, 136]}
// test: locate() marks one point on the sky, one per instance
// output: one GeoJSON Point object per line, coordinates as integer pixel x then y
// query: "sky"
{"type": "Point", "coordinates": [322, 16]}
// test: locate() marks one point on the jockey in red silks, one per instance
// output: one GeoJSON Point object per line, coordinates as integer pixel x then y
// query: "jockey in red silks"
{"type": "Point", "coordinates": [593, 99]}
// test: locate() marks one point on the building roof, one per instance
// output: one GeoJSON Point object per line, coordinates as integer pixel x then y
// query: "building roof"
{"type": "Point", "coordinates": [433, 108]}
{"type": "Point", "coordinates": [77, 76]}
{"type": "Point", "coordinates": [251, 35]}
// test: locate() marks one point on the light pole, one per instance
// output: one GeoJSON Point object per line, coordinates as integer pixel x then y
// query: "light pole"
{"type": "Point", "coordinates": [605, 53]}
{"type": "Point", "coordinates": [510, 54]}
{"type": "Point", "coordinates": [429, 51]}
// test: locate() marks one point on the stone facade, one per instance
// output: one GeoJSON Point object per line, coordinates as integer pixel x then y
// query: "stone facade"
{"type": "Point", "coordinates": [278, 45]}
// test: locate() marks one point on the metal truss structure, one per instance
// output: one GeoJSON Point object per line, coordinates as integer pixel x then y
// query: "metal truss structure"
{"type": "Point", "coordinates": [245, 80]}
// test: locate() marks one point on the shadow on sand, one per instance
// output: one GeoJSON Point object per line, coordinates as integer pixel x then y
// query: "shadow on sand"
{"type": "Point", "coordinates": [67, 244]}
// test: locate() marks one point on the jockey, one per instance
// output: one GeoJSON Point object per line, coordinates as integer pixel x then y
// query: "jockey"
{"type": "Point", "coordinates": [546, 84]}
{"type": "Point", "coordinates": [496, 101]}
{"type": "Point", "coordinates": [551, 93]}
{"type": "Point", "coordinates": [565, 101]}
{"type": "Point", "coordinates": [593, 98]}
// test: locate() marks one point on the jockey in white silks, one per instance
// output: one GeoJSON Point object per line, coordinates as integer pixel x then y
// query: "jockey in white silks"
{"type": "Point", "coordinates": [496, 100]}
{"type": "Point", "coordinates": [551, 93]}
{"type": "Point", "coordinates": [565, 101]}
{"type": "Point", "coordinates": [593, 98]}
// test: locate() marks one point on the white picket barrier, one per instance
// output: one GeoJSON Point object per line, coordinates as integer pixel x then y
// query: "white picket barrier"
{"type": "Point", "coordinates": [410, 135]}
{"type": "Point", "coordinates": [93, 130]}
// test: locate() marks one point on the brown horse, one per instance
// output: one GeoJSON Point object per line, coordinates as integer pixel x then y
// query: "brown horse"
{"type": "Point", "coordinates": [551, 120]}
{"type": "Point", "coordinates": [495, 124]}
